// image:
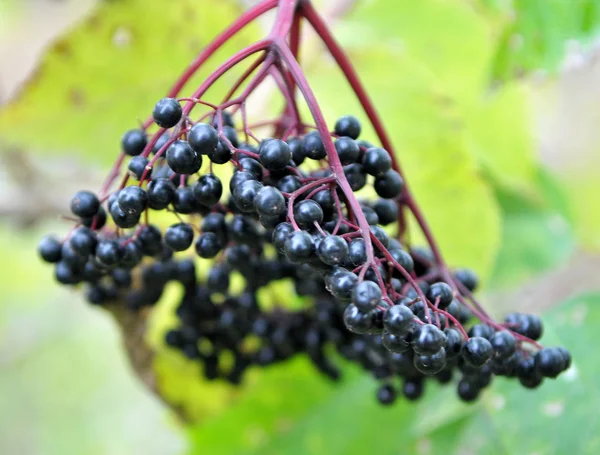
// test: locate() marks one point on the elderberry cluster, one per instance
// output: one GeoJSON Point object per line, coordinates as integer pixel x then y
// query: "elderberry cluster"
{"type": "Point", "coordinates": [211, 205]}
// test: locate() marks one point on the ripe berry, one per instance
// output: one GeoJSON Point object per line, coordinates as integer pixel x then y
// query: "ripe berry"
{"type": "Point", "coordinates": [203, 139]}
{"type": "Point", "coordinates": [413, 388]}
{"type": "Point", "coordinates": [299, 246]}
{"type": "Point", "coordinates": [280, 234]}
{"type": "Point", "coordinates": [161, 193]}
{"type": "Point", "coordinates": [167, 112]}
{"type": "Point", "coordinates": [182, 159]}
{"type": "Point", "coordinates": [357, 178]}
{"type": "Point", "coordinates": [348, 125]}
{"type": "Point", "coordinates": [85, 204]}
{"type": "Point", "coordinates": [550, 362]}
{"type": "Point", "coordinates": [133, 142]}
{"type": "Point", "coordinates": [297, 149]}
{"type": "Point", "coordinates": [49, 249]}
{"type": "Point", "coordinates": [308, 212]}
{"type": "Point", "coordinates": [208, 190]}
{"type": "Point", "coordinates": [477, 351]}
{"type": "Point", "coordinates": [83, 241]}
{"type": "Point", "coordinates": [387, 211]}
{"type": "Point", "coordinates": [150, 239]}
{"type": "Point", "coordinates": [220, 155]}
{"type": "Point", "coordinates": [403, 259]}
{"type": "Point", "coordinates": [269, 201]}
{"type": "Point", "coordinates": [274, 154]}
{"type": "Point", "coordinates": [184, 201]}
{"type": "Point", "coordinates": [356, 252]}
{"type": "Point", "coordinates": [398, 320]}
{"type": "Point", "coordinates": [430, 364]}
{"type": "Point", "coordinates": [389, 184]}
{"type": "Point", "coordinates": [503, 343]}
{"type": "Point", "coordinates": [441, 293]}
{"type": "Point", "coordinates": [428, 339]}
{"type": "Point", "coordinates": [208, 245]}
{"type": "Point", "coordinates": [347, 150]}
{"type": "Point", "coordinates": [109, 252]}
{"type": "Point", "coordinates": [132, 200]}
{"type": "Point", "coordinates": [454, 343]}
{"type": "Point", "coordinates": [179, 236]}
{"type": "Point", "coordinates": [289, 184]}
{"type": "Point", "coordinates": [386, 394]}
{"type": "Point", "coordinates": [64, 274]}
{"type": "Point", "coordinates": [376, 161]}
{"type": "Point", "coordinates": [245, 194]}
{"type": "Point", "coordinates": [468, 278]}
{"type": "Point", "coordinates": [313, 146]}
{"type": "Point", "coordinates": [467, 390]}
{"type": "Point", "coordinates": [97, 221]}
{"type": "Point", "coordinates": [357, 321]}
{"type": "Point", "coordinates": [394, 343]}
{"type": "Point", "coordinates": [366, 296]}
{"type": "Point", "coordinates": [332, 250]}
{"type": "Point", "coordinates": [137, 167]}
{"type": "Point", "coordinates": [342, 284]}
{"type": "Point", "coordinates": [121, 218]}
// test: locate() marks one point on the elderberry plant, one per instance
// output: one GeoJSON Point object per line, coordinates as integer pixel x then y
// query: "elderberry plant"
{"type": "Point", "coordinates": [290, 199]}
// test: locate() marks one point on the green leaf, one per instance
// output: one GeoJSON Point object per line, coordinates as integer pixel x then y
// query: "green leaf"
{"type": "Point", "coordinates": [105, 75]}
{"type": "Point", "coordinates": [536, 232]}
{"type": "Point", "coordinates": [422, 83]}
{"type": "Point", "coordinates": [537, 35]}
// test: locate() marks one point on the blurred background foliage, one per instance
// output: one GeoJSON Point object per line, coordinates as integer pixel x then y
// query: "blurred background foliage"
{"type": "Point", "coordinates": [492, 107]}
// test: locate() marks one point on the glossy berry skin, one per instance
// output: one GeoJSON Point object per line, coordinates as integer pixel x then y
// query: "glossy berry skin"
{"type": "Point", "coordinates": [299, 246]}
{"type": "Point", "coordinates": [184, 201]}
{"type": "Point", "coordinates": [161, 193]}
{"type": "Point", "coordinates": [313, 146]}
{"type": "Point", "coordinates": [280, 234]}
{"type": "Point", "coordinates": [133, 142]}
{"type": "Point", "coordinates": [274, 154]}
{"type": "Point", "coordinates": [467, 391]}
{"type": "Point", "coordinates": [386, 394]}
{"type": "Point", "coordinates": [85, 204]}
{"type": "Point", "coordinates": [376, 161]}
{"type": "Point", "coordinates": [208, 190]}
{"type": "Point", "coordinates": [297, 149]}
{"type": "Point", "coordinates": [477, 351]}
{"type": "Point", "coordinates": [109, 252]}
{"type": "Point", "coordinates": [550, 362]}
{"type": "Point", "coordinates": [430, 364]}
{"type": "Point", "coordinates": [269, 201]}
{"type": "Point", "coordinates": [49, 249]}
{"type": "Point", "coordinates": [347, 125]}
{"type": "Point", "coordinates": [389, 185]}
{"type": "Point", "coordinates": [182, 159]}
{"type": "Point", "coordinates": [357, 254]}
{"type": "Point", "coordinates": [454, 343]}
{"type": "Point", "coordinates": [441, 293]}
{"type": "Point", "coordinates": [132, 200]}
{"type": "Point", "coordinates": [366, 296]}
{"type": "Point", "coordinates": [468, 278]}
{"type": "Point", "coordinates": [387, 211]}
{"type": "Point", "coordinates": [121, 218]}
{"type": "Point", "coordinates": [342, 284]}
{"type": "Point", "coordinates": [203, 139]}
{"type": "Point", "coordinates": [428, 339]}
{"type": "Point", "coordinates": [83, 241]}
{"type": "Point", "coordinates": [398, 320]}
{"type": "Point", "coordinates": [208, 245]}
{"type": "Point", "coordinates": [413, 389]}
{"type": "Point", "coordinates": [347, 150]}
{"type": "Point", "coordinates": [220, 155]}
{"type": "Point", "coordinates": [528, 325]}
{"type": "Point", "coordinates": [357, 321]}
{"type": "Point", "coordinates": [167, 112]}
{"type": "Point", "coordinates": [307, 213]}
{"type": "Point", "coordinates": [403, 259]}
{"type": "Point", "coordinates": [245, 194]}
{"type": "Point", "coordinates": [357, 178]}
{"type": "Point", "coordinates": [395, 343]}
{"type": "Point", "coordinates": [97, 221]}
{"type": "Point", "coordinates": [137, 167]}
{"type": "Point", "coordinates": [179, 236]}
{"type": "Point", "coordinates": [503, 343]}
{"type": "Point", "coordinates": [332, 250]}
